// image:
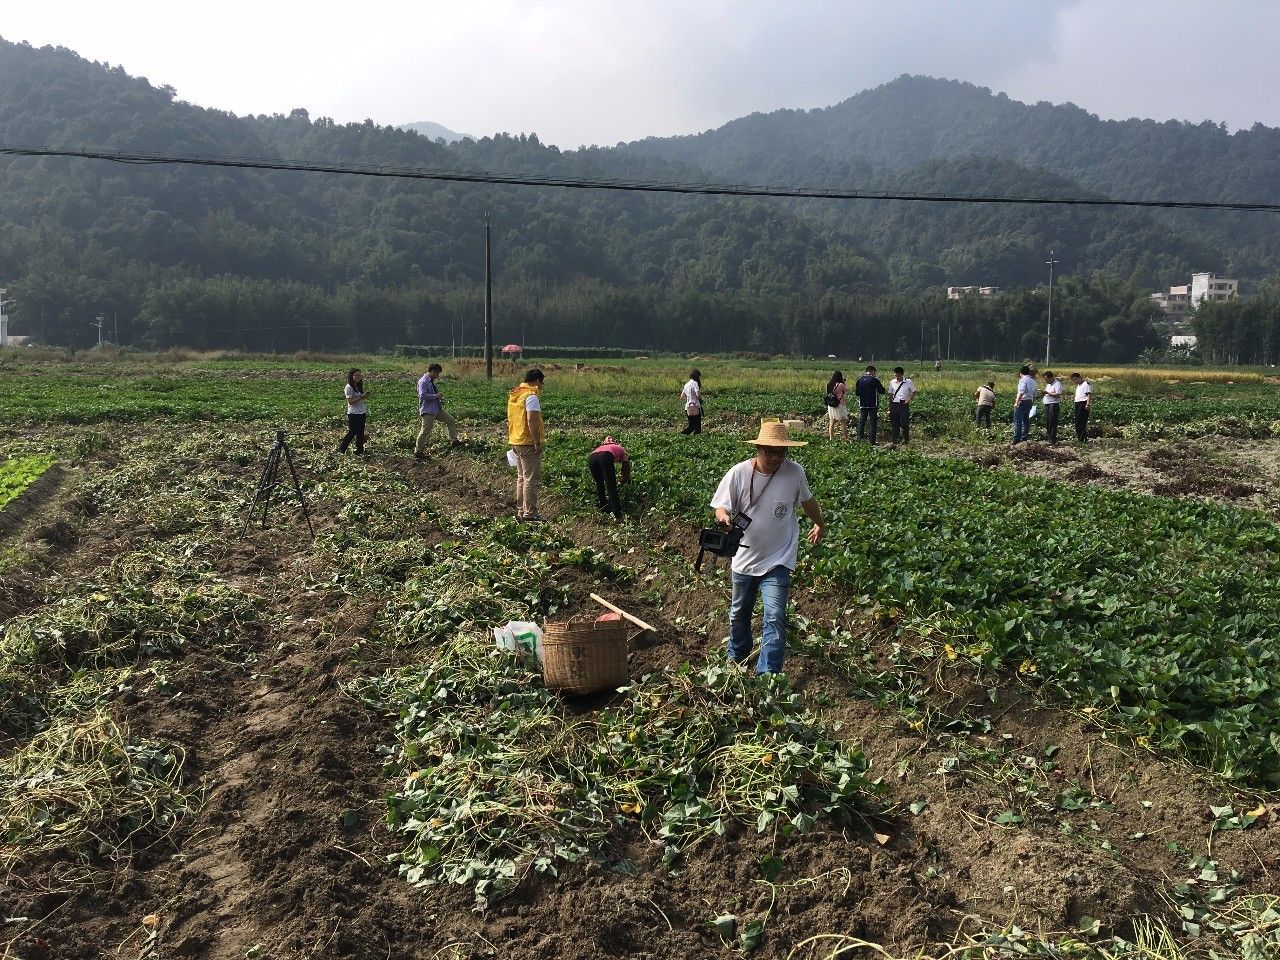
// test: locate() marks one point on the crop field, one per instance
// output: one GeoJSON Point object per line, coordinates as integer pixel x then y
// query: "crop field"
{"type": "Point", "coordinates": [1031, 705]}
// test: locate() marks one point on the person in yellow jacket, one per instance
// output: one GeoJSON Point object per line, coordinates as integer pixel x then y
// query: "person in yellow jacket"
{"type": "Point", "coordinates": [526, 433]}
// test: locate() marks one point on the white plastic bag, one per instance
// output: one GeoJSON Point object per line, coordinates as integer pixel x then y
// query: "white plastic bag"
{"type": "Point", "coordinates": [519, 636]}
{"type": "Point", "coordinates": [511, 459]}
{"type": "Point", "coordinates": [1032, 414]}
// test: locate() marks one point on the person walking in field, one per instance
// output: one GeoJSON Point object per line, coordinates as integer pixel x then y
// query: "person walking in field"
{"type": "Point", "coordinates": [767, 489]}
{"type": "Point", "coordinates": [1052, 394]}
{"type": "Point", "coordinates": [1022, 404]}
{"type": "Point", "coordinates": [869, 390]}
{"type": "Point", "coordinates": [526, 433]}
{"type": "Point", "coordinates": [430, 409]}
{"type": "Point", "coordinates": [691, 395]}
{"type": "Point", "coordinates": [355, 395]}
{"type": "Point", "coordinates": [837, 412]}
{"type": "Point", "coordinates": [986, 397]}
{"type": "Point", "coordinates": [603, 463]}
{"type": "Point", "coordinates": [1084, 402]}
{"type": "Point", "coordinates": [901, 390]}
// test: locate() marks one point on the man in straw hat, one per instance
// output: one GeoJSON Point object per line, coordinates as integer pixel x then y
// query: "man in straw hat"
{"type": "Point", "coordinates": [767, 489]}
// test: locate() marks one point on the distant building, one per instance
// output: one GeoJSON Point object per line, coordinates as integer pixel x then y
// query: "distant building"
{"type": "Point", "coordinates": [1176, 304]}
{"type": "Point", "coordinates": [1206, 286]}
{"type": "Point", "coordinates": [1181, 341]}
{"type": "Point", "coordinates": [955, 293]}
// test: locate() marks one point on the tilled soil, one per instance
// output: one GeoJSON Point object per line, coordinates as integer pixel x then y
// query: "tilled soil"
{"type": "Point", "coordinates": [285, 855]}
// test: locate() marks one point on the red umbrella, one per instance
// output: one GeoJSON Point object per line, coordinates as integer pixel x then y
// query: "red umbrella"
{"type": "Point", "coordinates": [513, 348]}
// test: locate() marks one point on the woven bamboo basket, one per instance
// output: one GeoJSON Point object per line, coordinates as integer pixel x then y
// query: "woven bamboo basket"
{"type": "Point", "coordinates": [583, 656]}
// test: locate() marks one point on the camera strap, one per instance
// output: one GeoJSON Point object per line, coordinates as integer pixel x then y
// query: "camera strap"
{"type": "Point", "coordinates": [754, 499]}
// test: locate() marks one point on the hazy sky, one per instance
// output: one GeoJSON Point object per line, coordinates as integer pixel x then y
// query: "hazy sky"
{"type": "Point", "coordinates": [576, 71]}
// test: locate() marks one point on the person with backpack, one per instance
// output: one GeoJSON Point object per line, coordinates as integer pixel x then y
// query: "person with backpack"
{"type": "Point", "coordinates": [603, 463]}
{"type": "Point", "coordinates": [901, 390]}
{"type": "Point", "coordinates": [430, 409]}
{"type": "Point", "coordinates": [869, 390]}
{"type": "Point", "coordinates": [691, 395]}
{"type": "Point", "coordinates": [837, 411]}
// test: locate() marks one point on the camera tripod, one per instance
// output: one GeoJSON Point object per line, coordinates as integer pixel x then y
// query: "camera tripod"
{"type": "Point", "coordinates": [270, 481]}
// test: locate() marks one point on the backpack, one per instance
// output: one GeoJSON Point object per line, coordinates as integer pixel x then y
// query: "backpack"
{"type": "Point", "coordinates": [831, 399]}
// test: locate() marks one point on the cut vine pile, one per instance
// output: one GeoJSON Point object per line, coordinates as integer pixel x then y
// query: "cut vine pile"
{"type": "Point", "coordinates": [1020, 717]}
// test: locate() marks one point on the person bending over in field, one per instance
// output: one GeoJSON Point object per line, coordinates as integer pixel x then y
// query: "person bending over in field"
{"type": "Point", "coordinates": [430, 409]}
{"type": "Point", "coordinates": [767, 489]}
{"type": "Point", "coordinates": [527, 433]}
{"type": "Point", "coordinates": [355, 395]}
{"type": "Point", "coordinates": [691, 395]}
{"type": "Point", "coordinates": [986, 397]}
{"type": "Point", "coordinates": [603, 463]}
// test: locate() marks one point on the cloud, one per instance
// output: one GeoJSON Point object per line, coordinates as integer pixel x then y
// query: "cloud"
{"type": "Point", "coordinates": [576, 71]}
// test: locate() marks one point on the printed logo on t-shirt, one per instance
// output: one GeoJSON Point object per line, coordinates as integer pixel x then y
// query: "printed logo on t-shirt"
{"type": "Point", "coordinates": [779, 510]}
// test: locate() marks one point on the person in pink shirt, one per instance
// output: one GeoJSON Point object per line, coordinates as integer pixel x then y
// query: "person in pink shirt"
{"type": "Point", "coordinates": [603, 464]}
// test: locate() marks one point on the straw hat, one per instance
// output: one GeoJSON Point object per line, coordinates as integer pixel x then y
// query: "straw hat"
{"type": "Point", "coordinates": [774, 434]}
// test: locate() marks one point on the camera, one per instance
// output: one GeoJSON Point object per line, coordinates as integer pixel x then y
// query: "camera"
{"type": "Point", "coordinates": [722, 539]}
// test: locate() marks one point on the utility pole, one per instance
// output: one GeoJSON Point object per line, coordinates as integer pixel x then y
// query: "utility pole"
{"type": "Point", "coordinates": [98, 324]}
{"type": "Point", "coordinates": [115, 319]}
{"type": "Point", "coordinates": [920, 359]}
{"type": "Point", "coordinates": [4, 323]}
{"type": "Point", "coordinates": [488, 303]}
{"type": "Point", "coordinates": [1048, 330]}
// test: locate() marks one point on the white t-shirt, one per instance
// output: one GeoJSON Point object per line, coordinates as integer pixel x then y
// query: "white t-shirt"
{"type": "Point", "coordinates": [1053, 392]}
{"type": "Point", "coordinates": [1083, 391]}
{"type": "Point", "coordinates": [355, 399]}
{"type": "Point", "coordinates": [532, 404]}
{"type": "Point", "coordinates": [692, 396]}
{"type": "Point", "coordinates": [901, 390]}
{"type": "Point", "coordinates": [986, 397]}
{"type": "Point", "coordinates": [1026, 389]}
{"type": "Point", "coordinates": [773, 539]}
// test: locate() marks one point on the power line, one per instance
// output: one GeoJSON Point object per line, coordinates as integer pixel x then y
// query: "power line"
{"type": "Point", "coordinates": [635, 186]}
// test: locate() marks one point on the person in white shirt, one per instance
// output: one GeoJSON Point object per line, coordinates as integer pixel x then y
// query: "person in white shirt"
{"type": "Point", "coordinates": [767, 489]}
{"type": "Point", "coordinates": [691, 396]}
{"type": "Point", "coordinates": [356, 412]}
{"type": "Point", "coordinates": [1052, 394]}
{"type": "Point", "coordinates": [1022, 404]}
{"type": "Point", "coordinates": [901, 390]}
{"type": "Point", "coordinates": [1084, 402]}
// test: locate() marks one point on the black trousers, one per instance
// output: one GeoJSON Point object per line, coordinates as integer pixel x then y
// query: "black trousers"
{"type": "Point", "coordinates": [1082, 421]}
{"type": "Point", "coordinates": [900, 421]}
{"type": "Point", "coordinates": [605, 473]}
{"type": "Point", "coordinates": [694, 425]}
{"type": "Point", "coordinates": [984, 415]}
{"type": "Point", "coordinates": [355, 431]}
{"type": "Point", "coordinates": [1051, 411]}
{"type": "Point", "coordinates": [868, 417]}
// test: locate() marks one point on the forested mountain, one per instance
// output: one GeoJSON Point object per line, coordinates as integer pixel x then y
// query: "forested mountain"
{"type": "Point", "coordinates": [282, 260]}
{"type": "Point", "coordinates": [914, 120]}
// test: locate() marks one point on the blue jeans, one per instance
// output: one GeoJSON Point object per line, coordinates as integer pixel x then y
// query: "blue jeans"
{"type": "Point", "coordinates": [773, 634]}
{"type": "Point", "coordinates": [1021, 420]}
